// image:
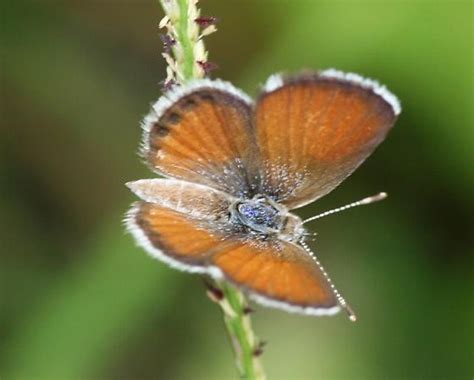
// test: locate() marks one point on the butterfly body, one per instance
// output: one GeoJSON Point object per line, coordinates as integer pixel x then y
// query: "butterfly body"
{"type": "Point", "coordinates": [233, 170]}
{"type": "Point", "coordinates": [265, 217]}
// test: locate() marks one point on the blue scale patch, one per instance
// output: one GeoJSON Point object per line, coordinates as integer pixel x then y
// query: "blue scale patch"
{"type": "Point", "coordinates": [259, 214]}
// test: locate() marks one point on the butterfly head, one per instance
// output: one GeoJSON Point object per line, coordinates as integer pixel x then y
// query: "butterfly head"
{"type": "Point", "coordinates": [264, 216]}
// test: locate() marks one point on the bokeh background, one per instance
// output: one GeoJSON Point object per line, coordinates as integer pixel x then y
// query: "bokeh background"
{"type": "Point", "coordinates": [79, 301]}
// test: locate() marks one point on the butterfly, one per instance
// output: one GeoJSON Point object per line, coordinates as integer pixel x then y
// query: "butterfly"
{"type": "Point", "coordinates": [233, 170]}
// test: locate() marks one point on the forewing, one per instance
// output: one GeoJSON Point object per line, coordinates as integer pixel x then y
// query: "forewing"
{"type": "Point", "coordinates": [201, 132]}
{"type": "Point", "coordinates": [315, 130]}
{"type": "Point", "coordinates": [197, 201]}
{"type": "Point", "coordinates": [279, 274]}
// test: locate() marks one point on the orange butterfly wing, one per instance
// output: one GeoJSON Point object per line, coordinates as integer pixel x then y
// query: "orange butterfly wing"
{"type": "Point", "coordinates": [187, 226]}
{"type": "Point", "coordinates": [202, 133]}
{"type": "Point", "coordinates": [173, 237]}
{"type": "Point", "coordinates": [315, 130]}
{"type": "Point", "coordinates": [307, 134]}
{"type": "Point", "coordinates": [279, 274]}
{"type": "Point", "coordinates": [178, 222]}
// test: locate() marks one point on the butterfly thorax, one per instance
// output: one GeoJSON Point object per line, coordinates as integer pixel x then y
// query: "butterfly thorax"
{"type": "Point", "coordinates": [262, 215]}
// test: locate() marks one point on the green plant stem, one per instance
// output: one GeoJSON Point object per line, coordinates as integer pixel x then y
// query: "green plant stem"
{"type": "Point", "coordinates": [239, 327]}
{"type": "Point", "coordinates": [185, 41]}
{"type": "Point", "coordinates": [232, 301]}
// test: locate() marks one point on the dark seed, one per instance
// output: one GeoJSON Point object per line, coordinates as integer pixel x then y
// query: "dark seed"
{"type": "Point", "coordinates": [213, 292]}
{"type": "Point", "coordinates": [247, 310]}
{"type": "Point", "coordinates": [167, 85]}
{"type": "Point", "coordinates": [258, 351]}
{"type": "Point", "coordinates": [205, 21]}
{"type": "Point", "coordinates": [168, 42]}
{"type": "Point", "coordinates": [207, 66]}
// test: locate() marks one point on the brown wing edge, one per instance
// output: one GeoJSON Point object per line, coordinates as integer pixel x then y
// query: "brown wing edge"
{"type": "Point", "coordinates": [213, 271]}
{"type": "Point", "coordinates": [276, 81]}
{"type": "Point", "coordinates": [169, 98]}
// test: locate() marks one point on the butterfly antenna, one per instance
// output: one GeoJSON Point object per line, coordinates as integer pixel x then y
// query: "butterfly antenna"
{"type": "Point", "coordinates": [340, 299]}
{"type": "Point", "coordinates": [365, 201]}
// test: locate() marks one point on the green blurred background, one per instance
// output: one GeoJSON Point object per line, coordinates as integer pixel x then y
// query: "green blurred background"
{"type": "Point", "coordinates": [79, 301]}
